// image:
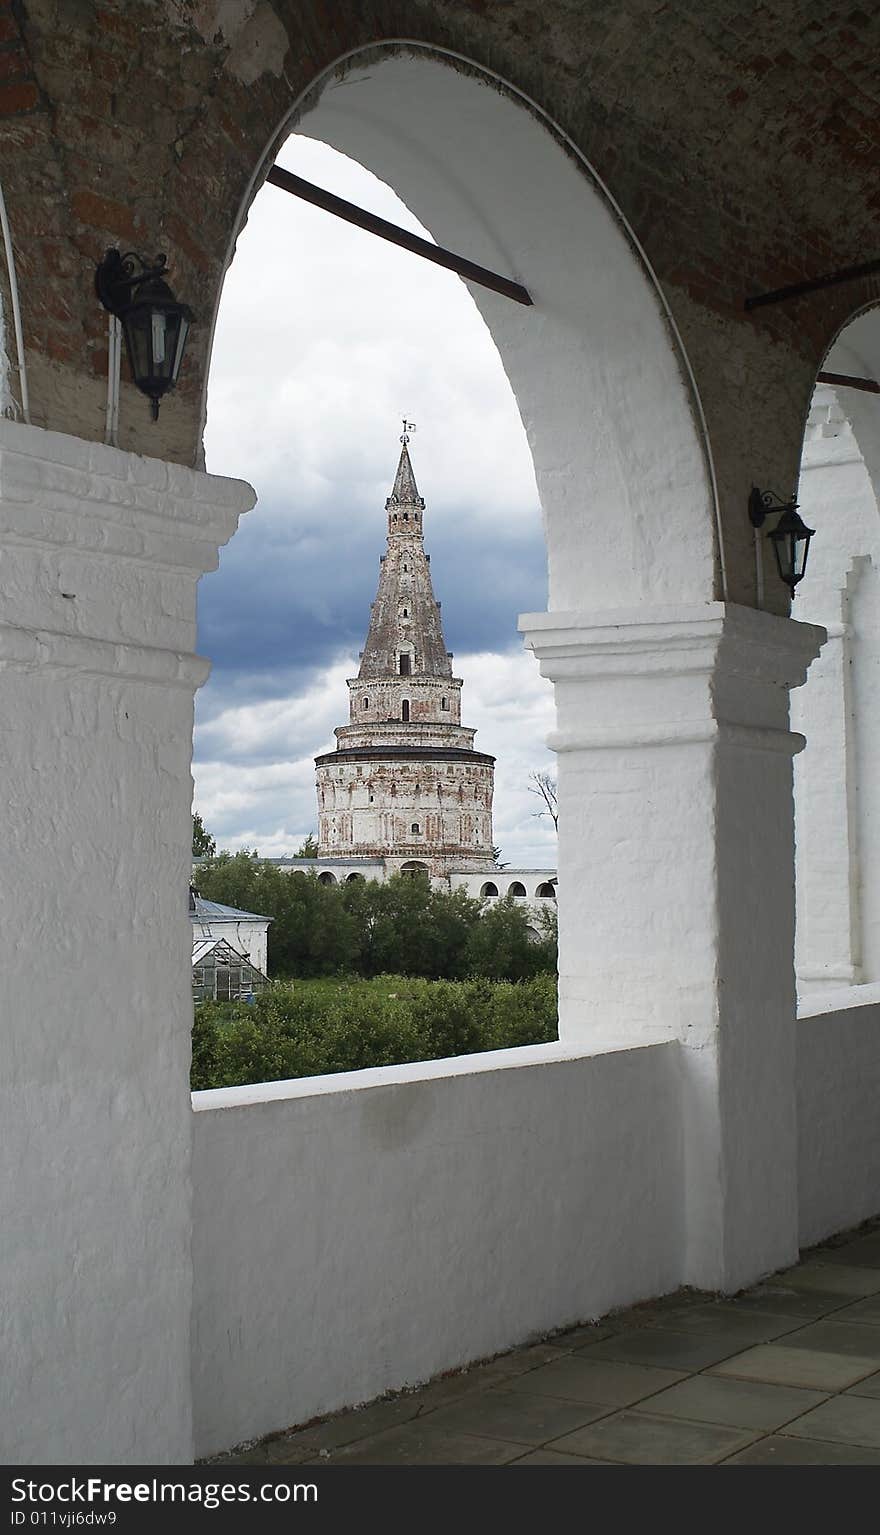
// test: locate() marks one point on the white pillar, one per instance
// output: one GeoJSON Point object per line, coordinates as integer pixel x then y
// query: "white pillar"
{"type": "Point", "coordinates": [676, 890]}
{"type": "Point", "coordinates": [828, 947]}
{"type": "Point", "coordinates": [100, 553]}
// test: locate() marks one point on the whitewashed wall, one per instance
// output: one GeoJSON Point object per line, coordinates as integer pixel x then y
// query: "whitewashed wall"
{"type": "Point", "coordinates": [250, 938]}
{"type": "Point", "coordinates": [366, 1231]}
{"type": "Point", "coordinates": [837, 796]}
{"type": "Point", "coordinates": [838, 1086]}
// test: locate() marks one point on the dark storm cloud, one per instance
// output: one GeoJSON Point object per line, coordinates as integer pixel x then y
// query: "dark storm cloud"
{"type": "Point", "coordinates": [288, 600]}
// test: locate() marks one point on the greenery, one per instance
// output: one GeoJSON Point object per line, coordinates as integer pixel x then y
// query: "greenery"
{"type": "Point", "coordinates": [204, 845]}
{"type": "Point", "coordinates": [371, 974]}
{"type": "Point", "coordinates": [400, 927]}
{"type": "Point", "coordinates": [308, 1028]}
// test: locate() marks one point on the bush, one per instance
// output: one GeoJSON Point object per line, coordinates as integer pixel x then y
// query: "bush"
{"type": "Point", "coordinates": [308, 1028]}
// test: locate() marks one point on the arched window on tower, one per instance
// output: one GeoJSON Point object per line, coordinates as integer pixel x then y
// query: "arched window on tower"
{"type": "Point", "coordinates": [366, 703]}
{"type": "Point", "coordinates": [444, 703]}
{"type": "Point", "coordinates": [404, 711]}
{"type": "Point", "coordinates": [405, 662]}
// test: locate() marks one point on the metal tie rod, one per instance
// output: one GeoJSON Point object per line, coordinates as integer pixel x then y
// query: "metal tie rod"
{"type": "Point", "coordinates": [813, 284]}
{"type": "Point", "coordinates": [393, 232]}
{"type": "Point", "coordinates": [848, 381]}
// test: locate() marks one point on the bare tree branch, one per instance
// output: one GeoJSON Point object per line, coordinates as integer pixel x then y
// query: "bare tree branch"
{"type": "Point", "coordinates": [544, 785]}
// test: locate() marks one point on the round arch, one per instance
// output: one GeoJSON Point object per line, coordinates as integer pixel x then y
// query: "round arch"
{"type": "Point", "coordinates": [837, 801]}
{"type": "Point", "coordinates": [598, 370]}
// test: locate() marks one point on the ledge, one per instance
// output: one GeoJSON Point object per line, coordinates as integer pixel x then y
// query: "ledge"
{"type": "Point", "coordinates": [413, 1072]}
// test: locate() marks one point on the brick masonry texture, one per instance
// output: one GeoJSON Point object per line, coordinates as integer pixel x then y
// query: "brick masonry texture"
{"type": "Point", "coordinates": [740, 143]}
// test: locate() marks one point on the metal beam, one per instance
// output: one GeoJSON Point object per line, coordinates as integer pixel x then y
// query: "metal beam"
{"type": "Point", "coordinates": [813, 284]}
{"type": "Point", "coordinates": [847, 381]}
{"type": "Point", "coordinates": [386, 231]}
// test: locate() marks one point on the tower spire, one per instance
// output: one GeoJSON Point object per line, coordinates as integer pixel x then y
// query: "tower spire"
{"type": "Point", "coordinates": [405, 492]}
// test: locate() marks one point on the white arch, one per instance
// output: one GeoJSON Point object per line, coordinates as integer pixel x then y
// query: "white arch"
{"type": "Point", "coordinates": [600, 377]}
{"type": "Point", "coordinates": [837, 802]}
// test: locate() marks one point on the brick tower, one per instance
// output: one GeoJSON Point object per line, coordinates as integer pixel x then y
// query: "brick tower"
{"type": "Point", "coordinates": [404, 782]}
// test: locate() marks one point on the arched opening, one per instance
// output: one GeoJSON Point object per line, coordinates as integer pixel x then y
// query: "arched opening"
{"type": "Point", "coordinates": [837, 798]}
{"type": "Point", "coordinates": [489, 888]}
{"type": "Point", "coordinates": [326, 878]}
{"type": "Point", "coordinates": [598, 345]}
{"type": "Point", "coordinates": [600, 329]}
{"type": "Point", "coordinates": [414, 869]}
{"type": "Point", "coordinates": [404, 711]}
{"type": "Point", "coordinates": [546, 891]}
{"type": "Point", "coordinates": [352, 879]}
{"type": "Point", "coordinates": [516, 888]}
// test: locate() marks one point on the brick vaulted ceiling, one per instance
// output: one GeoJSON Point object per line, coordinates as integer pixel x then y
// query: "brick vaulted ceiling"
{"type": "Point", "coordinates": [741, 142]}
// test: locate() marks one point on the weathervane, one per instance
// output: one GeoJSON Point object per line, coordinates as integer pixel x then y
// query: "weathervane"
{"type": "Point", "coordinates": [408, 427]}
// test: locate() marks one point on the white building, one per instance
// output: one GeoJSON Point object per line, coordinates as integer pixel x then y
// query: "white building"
{"type": "Point", "coordinates": [184, 1272]}
{"type": "Point", "coordinates": [244, 931]}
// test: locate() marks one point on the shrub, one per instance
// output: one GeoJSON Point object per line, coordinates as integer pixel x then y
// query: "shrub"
{"type": "Point", "coordinates": [312, 1027]}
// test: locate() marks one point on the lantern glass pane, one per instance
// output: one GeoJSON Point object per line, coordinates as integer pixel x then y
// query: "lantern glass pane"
{"type": "Point", "coordinates": [138, 339]}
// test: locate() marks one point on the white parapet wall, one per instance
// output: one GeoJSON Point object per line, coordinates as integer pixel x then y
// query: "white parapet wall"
{"type": "Point", "coordinates": [838, 1088]}
{"type": "Point", "coordinates": [363, 1232]}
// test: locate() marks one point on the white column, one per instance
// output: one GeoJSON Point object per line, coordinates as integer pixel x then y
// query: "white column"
{"type": "Point", "coordinates": [100, 553]}
{"type": "Point", "coordinates": [676, 890]}
{"type": "Point", "coordinates": [828, 939]}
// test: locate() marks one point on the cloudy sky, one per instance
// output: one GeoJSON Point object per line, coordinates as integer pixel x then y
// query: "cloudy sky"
{"type": "Point", "coordinates": [326, 338]}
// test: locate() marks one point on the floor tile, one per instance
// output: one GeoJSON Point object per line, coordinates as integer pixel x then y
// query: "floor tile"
{"type": "Point", "coordinates": [522, 1359]}
{"type": "Point", "coordinates": [849, 1419]}
{"type": "Point", "coordinates": [674, 1350]}
{"type": "Point", "coordinates": [556, 1458]}
{"type": "Point", "coordinates": [870, 1386]}
{"type": "Point", "coordinates": [864, 1252]}
{"type": "Point", "coordinates": [867, 1310]}
{"type": "Point", "coordinates": [726, 1319]}
{"type": "Point", "coordinates": [344, 1428]}
{"type": "Point", "coordinates": [779, 1451]}
{"type": "Point", "coordinates": [777, 1299]}
{"type": "Point", "coordinates": [516, 1416]}
{"type": "Point", "coordinates": [412, 1445]}
{"type": "Point", "coordinates": [589, 1332]}
{"type": "Point", "coordinates": [596, 1381]}
{"type": "Point", "coordinates": [839, 1278]}
{"type": "Point", "coordinates": [638, 1440]}
{"type": "Point", "coordinates": [781, 1366]}
{"type": "Point", "coordinates": [833, 1337]}
{"type": "Point", "coordinates": [737, 1403]}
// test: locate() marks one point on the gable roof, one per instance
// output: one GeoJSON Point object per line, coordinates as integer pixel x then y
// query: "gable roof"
{"type": "Point", "coordinates": [215, 911]}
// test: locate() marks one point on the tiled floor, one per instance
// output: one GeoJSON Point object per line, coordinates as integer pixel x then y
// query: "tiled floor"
{"type": "Point", "coordinates": [787, 1374]}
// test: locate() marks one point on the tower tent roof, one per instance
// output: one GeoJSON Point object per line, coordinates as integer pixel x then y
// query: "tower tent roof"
{"type": "Point", "coordinates": [405, 617]}
{"type": "Point", "coordinates": [406, 491]}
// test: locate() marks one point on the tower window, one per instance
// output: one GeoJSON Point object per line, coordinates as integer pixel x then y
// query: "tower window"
{"type": "Point", "coordinates": [444, 704]}
{"type": "Point", "coordinates": [405, 665]}
{"type": "Point", "coordinates": [415, 828]}
{"type": "Point", "coordinates": [404, 711]}
{"type": "Point", "coordinates": [406, 567]}
{"type": "Point", "coordinates": [406, 613]}
{"type": "Point", "coordinates": [366, 703]}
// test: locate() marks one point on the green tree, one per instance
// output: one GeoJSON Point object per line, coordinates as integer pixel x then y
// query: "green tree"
{"type": "Point", "coordinates": [501, 946]}
{"type": "Point", "coordinates": [203, 845]}
{"type": "Point", "coordinates": [309, 848]}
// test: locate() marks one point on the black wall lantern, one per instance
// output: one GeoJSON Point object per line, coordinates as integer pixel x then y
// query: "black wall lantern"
{"type": "Point", "coordinates": [154, 323]}
{"type": "Point", "coordinates": [790, 538]}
